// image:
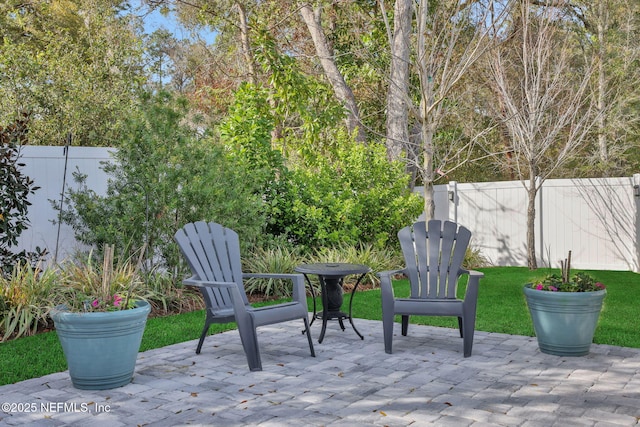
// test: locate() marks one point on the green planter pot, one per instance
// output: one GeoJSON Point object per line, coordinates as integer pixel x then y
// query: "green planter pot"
{"type": "Point", "coordinates": [564, 322]}
{"type": "Point", "coordinates": [101, 348]}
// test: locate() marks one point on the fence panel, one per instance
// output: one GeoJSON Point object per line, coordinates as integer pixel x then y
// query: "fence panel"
{"type": "Point", "coordinates": [595, 219]}
{"type": "Point", "coordinates": [496, 212]}
{"type": "Point", "coordinates": [46, 166]}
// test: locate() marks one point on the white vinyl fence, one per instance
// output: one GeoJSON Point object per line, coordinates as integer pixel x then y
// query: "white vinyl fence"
{"type": "Point", "coordinates": [46, 166]}
{"type": "Point", "coordinates": [597, 219]}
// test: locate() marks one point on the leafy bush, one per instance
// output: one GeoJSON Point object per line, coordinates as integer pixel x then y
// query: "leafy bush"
{"type": "Point", "coordinates": [247, 133]}
{"type": "Point", "coordinates": [330, 189]}
{"type": "Point", "coordinates": [356, 196]}
{"type": "Point", "coordinates": [165, 175]}
{"type": "Point", "coordinates": [15, 188]}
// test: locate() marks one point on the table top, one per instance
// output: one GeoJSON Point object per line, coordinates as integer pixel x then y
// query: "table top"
{"type": "Point", "coordinates": [333, 269]}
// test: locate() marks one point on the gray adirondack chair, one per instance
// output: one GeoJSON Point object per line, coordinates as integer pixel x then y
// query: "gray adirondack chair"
{"type": "Point", "coordinates": [213, 254]}
{"type": "Point", "coordinates": [433, 256]}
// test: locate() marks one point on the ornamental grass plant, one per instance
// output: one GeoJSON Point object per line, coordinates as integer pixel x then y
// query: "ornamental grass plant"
{"type": "Point", "coordinates": [24, 299]}
{"type": "Point", "coordinates": [90, 286]}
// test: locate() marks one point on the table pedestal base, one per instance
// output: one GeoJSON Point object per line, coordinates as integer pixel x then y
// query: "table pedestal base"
{"type": "Point", "coordinates": [332, 299]}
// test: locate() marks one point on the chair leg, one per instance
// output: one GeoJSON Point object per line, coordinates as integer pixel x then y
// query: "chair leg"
{"type": "Point", "coordinates": [306, 328]}
{"type": "Point", "coordinates": [468, 326]}
{"type": "Point", "coordinates": [405, 325]}
{"type": "Point", "coordinates": [387, 327]}
{"type": "Point", "coordinates": [249, 338]}
{"type": "Point", "coordinates": [252, 352]}
{"type": "Point", "coordinates": [203, 336]}
{"type": "Point", "coordinates": [460, 327]}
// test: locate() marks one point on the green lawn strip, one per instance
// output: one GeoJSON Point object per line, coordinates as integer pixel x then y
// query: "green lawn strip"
{"type": "Point", "coordinates": [501, 308]}
{"type": "Point", "coordinates": [30, 357]}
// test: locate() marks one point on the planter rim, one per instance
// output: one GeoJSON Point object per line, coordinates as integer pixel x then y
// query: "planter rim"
{"type": "Point", "coordinates": [529, 290]}
{"type": "Point", "coordinates": [60, 312]}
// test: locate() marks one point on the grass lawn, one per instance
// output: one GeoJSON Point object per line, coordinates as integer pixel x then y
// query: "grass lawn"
{"type": "Point", "coordinates": [501, 308]}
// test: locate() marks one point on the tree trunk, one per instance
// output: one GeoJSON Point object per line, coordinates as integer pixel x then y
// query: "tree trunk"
{"type": "Point", "coordinates": [413, 154]}
{"type": "Point", "coordinates": [244, 39]}
{"type": "Point", "coordinates": [426, 113]}
{"type": "Point", "coordinates": [531, 219]}
{"type": "Point", "coordinates": [427, 170]}
{"type": "Point", "coordinates": [341, 89]}
{"type": "Point", "coordinates": [602, 85]}
{"type": "Point", "coordinates": [397, 109]}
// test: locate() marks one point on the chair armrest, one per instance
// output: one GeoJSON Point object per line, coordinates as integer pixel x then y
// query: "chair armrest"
{"type": "Point", "coordinates": [471, 294]}
{"type": "Point", "coordinates": [272, 275]}
{"type": "Point", "coordinates": [390, 273]}
{"type": "Point", "coordinates": [476, 273]}
{"type": "Point", "coordinates": [386, 279]}
{"type": "Point", "coordinates": [299, 294]}
{"type": "Point", "coordinates": [231, 287]}
{"type": "Point", "coordinates": [192, 281]}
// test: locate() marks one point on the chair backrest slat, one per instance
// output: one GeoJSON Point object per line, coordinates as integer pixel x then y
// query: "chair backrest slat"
{"type": "Point", "coordinates": [406, 238]}
{"type": "Point", "coordinates": [446, 284]}
{"type": "Point", "coordinates": [432, 259]}
{"type": "Point", "coordinates": [434, 253]}
{"type": "Point", "coordinates": [213, 254]}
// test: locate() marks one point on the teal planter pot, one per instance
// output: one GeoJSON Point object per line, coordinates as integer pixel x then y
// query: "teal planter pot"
{"type": "Point", "coordinates": [101, 348]}
{"type": "Point", "coordinates": [564, 322]}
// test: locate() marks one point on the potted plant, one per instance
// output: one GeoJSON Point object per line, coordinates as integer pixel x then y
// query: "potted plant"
{"type": "Point", "coordinates": [101, 322]}
{"type": "Point", "coordinates": [565, 311]}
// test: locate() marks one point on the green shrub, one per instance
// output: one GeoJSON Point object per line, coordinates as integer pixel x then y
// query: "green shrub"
{"type": "Point", "coordinates": [356, 196]}
{"type": "Point", "coordinates": [330, 189]}
{"type": "Point", "coordinates": [15, 188]}
{"type": "Point", "coordinates": [165, 175]}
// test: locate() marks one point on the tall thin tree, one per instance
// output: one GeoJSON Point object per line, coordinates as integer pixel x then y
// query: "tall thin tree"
{"type": "Point", "coordinates": [541, 85]}
{"type": "Point", "coordinates": [450, 36]}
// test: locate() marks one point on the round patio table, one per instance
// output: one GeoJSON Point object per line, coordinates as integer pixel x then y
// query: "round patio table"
{"type": "Point", "coordinates": [331, 277]}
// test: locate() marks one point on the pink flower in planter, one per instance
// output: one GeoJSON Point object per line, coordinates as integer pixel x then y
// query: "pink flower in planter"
{"type": "Point", "coordinates": [95, 303]}
{"type": "Point", "coordinates": [539, 286]}
{"type": "Point", "coordinates": [117, 300]}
